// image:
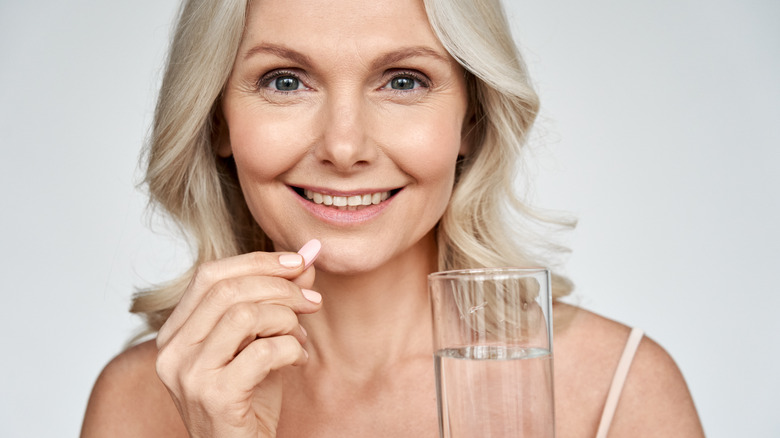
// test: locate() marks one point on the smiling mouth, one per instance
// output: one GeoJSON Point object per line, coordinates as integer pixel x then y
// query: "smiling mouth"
{"type": "Point", "coordinates": [346, 203]}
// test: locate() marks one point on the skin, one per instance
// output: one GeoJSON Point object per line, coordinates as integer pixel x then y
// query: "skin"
{"type": "Point", "coordinates": [367, 100]}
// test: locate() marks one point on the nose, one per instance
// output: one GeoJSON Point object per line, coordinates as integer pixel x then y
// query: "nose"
{"type": "Point", "coordinates": [344, 143]}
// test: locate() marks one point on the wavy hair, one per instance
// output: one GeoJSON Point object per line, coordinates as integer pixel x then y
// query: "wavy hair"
{"type": "Point", "coordinates": [486, 223]}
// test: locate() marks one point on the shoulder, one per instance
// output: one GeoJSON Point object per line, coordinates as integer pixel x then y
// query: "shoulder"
{"type": "Point", "coordinates": [655, 400]}
{"type": "Point", "coordinates": [128, 390]}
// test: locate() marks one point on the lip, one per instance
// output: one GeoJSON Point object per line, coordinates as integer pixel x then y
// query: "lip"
{"type": "Point", "coordinates": [343, 217]}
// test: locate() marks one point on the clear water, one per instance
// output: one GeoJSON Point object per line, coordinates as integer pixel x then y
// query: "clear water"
{"type": "Point", "coordinates": [495, 392]}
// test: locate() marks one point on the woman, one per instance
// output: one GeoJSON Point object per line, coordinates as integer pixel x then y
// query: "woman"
{"type": "Point", "coordinates": [378, 138]}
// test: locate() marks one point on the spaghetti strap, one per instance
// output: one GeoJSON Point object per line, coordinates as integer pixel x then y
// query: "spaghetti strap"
{"type": "Point", "coordinates": [618, 381]}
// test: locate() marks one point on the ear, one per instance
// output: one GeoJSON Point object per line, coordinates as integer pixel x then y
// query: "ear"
{"type": "Point", "coordinates": [221, 139]}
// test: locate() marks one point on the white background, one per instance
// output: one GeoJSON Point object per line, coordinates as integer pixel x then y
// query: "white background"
{"type": "Point", "coordinates": [659, 132]}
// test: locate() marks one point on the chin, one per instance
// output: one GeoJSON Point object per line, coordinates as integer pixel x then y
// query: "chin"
{"type": "Point", "coordinates": [361, 256]}
{"type": "Point", "coordinates": [349, 261]}
{"type": "Point", "coordinates": [343, 269]}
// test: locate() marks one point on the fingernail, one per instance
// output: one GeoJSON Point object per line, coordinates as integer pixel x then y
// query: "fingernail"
{"type": "Point", "coordinates": [310, 251]}
{"type": "Point", "coordinates": [305, 333]}
{"type": "Point", "coordinates": [311, 295]}
{"type": "Point", "coordinates": [290, 260]}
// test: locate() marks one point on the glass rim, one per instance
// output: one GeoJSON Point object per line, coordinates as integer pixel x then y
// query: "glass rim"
{"type": "Point", "coordinates": [481, 273]}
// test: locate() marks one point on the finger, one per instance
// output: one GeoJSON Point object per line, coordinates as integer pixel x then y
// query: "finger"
{"type": "Point", "coordinates": [306, 279]}
{"type": "Point", "coordinates": [227, 293]}
{"type": "Point", "coordinates": [241, 325]}
{"type": "Point", "coordinates": [210, 273]}
{"type": "Point", "coordinates": [261, 357]}
{"type": "Point", "coordinates": [284, 265]}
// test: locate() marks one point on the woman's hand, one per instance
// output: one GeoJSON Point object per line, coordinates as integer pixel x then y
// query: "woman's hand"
{"type": "Point", "coordinates": [235, 326]}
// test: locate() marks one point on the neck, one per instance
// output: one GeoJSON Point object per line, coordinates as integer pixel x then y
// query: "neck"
{"type": "Point", "coordinates": [376, 318]}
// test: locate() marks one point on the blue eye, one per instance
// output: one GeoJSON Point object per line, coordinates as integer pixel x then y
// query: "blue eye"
{"type": "Point", "coordinates": [287, 83]}
{"type": "Point", "coordinates": [407, 81]}
{"type": "Point", "coordinates": [281, 81]}
{"type": "Point", "coordinates": [402, 83]}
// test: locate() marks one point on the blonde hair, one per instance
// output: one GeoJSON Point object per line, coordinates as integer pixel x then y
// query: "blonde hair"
{"type": "Point", "coordinates": [486, 223]}
{"type": "Point", "coordinates": [200, 191]}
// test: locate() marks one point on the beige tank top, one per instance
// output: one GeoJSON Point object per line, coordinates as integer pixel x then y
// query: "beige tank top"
{"type": "Point", "coordinates": [618, 381]}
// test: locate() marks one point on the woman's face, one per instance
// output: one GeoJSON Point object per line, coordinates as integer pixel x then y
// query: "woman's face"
{"type": "Point", "coordinates": [345, 119]}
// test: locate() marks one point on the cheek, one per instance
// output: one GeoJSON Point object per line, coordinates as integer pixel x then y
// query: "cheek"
{"type": "Point", "coordinates": [427, 148]}
{"type": "Point", "coordinates": [265, 147]}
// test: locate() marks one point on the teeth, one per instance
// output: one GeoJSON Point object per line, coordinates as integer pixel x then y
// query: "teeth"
{"type": "Point", "coordinates": [350, 202]}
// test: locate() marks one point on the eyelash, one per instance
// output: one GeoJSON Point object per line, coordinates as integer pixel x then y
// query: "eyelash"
{"type": "Point", "coordinates": [265, 81]}
{"type": "Point", "coordinates": [413, 75]}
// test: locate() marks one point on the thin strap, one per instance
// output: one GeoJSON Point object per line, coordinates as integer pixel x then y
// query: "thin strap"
{"type": "Point", "coordinates": [618, 381]}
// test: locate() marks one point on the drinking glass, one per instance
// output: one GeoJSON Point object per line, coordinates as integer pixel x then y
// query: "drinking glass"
{"type": "Point", "coordinates": [492, 335]}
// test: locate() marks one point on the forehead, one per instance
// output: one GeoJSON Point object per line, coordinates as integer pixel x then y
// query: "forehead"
{"type": "Point", "coordinates": [339, 26]}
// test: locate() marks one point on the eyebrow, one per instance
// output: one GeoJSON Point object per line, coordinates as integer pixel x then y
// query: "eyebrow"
{"type": "Point", "coordinates": [279, 51]}
{"type": "Point", "coordinates": [385, 59]}
{"type": "Point", "coordinates": [406, 53]}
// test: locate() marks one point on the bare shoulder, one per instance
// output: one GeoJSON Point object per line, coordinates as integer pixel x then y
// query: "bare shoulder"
{"type": "Point", "coordinates": [128, 398]}
{"type": "Point", "coordinates": [655, 400]}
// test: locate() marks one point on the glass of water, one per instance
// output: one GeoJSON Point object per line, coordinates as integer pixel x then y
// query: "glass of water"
{"type": "Point", "coordinates": [492, 334]}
